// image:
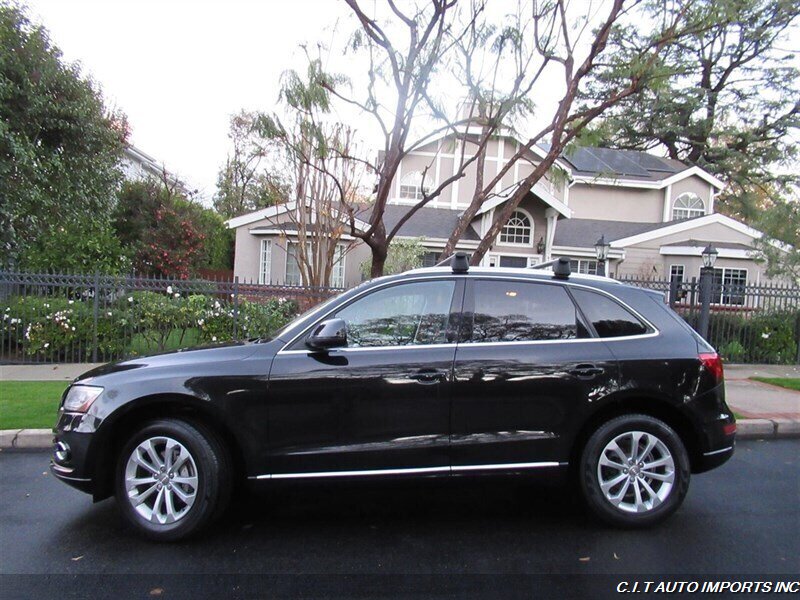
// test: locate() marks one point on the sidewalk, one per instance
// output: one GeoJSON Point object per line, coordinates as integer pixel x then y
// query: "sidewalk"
{"type": "Point", "coordinates": [767, 410]}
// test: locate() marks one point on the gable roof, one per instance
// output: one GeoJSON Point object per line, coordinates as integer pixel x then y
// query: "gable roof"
{"type": "Point", "coordinates": [584, 232]}
{"type": "Point", "coordinates": [633, 168]}
{"type": "Point", "coordinates": [427, 222]}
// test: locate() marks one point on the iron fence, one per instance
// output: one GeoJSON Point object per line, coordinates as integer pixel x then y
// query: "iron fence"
{"type": "Point", "coordinates": [747, 323]}
{"type": "Point", "coordinates": [56, 317]}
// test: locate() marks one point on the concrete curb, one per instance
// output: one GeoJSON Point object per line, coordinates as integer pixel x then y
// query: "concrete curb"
{"type": "Point", "coordinates": [746, 429]}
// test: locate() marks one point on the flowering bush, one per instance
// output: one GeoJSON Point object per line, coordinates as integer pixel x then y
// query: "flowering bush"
{"type": "Point", "coordinates": [62, 328]}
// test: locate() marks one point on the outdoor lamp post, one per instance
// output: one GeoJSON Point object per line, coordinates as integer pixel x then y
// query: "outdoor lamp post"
{"type": "Point", "coordinates": [601, 248]}
{"type": "Point", "coordinates": [709, 255]}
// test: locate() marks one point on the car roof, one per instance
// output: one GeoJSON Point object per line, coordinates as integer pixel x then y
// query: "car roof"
{"type": "Point", "coordinates": [546, 273]}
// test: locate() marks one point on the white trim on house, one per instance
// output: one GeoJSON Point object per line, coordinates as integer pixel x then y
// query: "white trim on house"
{"type": "Point", "coordinates": [690, 224]}
{"type": "Point", "coordinates": [295, 233]}
{"type": "Point", "coordinates": [613, 253]}
{"type": "Point", "coordinates": [274, 211]}
{"type": "Point", "coordinates": [537, 189]}
{"type": "Point", "coordinates": [698, 251]}
{"type": "Point", "coordinates": [440, 242]}
{"type": "Point", "coordinates": [651, 185]}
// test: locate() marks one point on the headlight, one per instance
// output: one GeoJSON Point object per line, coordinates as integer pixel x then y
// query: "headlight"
{"type": "Point", "coordinates": [80, 397]}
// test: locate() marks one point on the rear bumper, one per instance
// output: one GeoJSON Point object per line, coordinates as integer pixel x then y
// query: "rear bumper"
{"type": "Point", "coordinates": [715, 458]}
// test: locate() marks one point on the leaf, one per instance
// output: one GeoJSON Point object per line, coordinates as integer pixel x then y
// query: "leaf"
{"type": "Point", "coordinates": [585, 558]}
{"type": "Point", "coordinates": [156, 591]}
{"type": "Point", "coordinates": [76, 558]}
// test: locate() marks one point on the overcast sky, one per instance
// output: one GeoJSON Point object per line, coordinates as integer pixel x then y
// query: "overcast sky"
{"type": "Point", "coordinates": [179, 69]}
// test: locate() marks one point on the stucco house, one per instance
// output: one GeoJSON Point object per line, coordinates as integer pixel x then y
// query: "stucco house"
{"type": "Point", "coordinates": [657, 213]}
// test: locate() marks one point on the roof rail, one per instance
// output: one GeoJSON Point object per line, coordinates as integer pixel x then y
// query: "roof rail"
{"type": "Point", "coordinates": [561, 268]}
{"type": "Point", "coordinates": [458, 262]}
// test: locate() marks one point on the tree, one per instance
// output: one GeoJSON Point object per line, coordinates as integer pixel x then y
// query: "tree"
{"type": "Point", "coordinates": [315, 160]}
{"type": "Point", "coordinates": [558, 37]}
{"type": "Point", "coordinates": [403, 54]}
{"type": "Point", "coordinates": [168, 234]}
{"type": "Point", "coordinates": [59, 151]}
{"type": "Point", "coordinates": [404, 255]}
{"type": "Point", "coordinates": [242, 185]}
{"type": "Point", "coordinates": [779, 248]}
{"type": "Point", "coordinates": [727, 102]}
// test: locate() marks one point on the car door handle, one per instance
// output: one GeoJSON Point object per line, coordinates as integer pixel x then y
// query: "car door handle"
{"type": "Point", "coordinates": [427, 377]}
{"type": "Point", "coordinates": [586, 371]}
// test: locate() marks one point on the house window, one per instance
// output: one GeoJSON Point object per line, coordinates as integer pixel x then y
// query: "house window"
{"type": "Point", "coordinates": [687, 206]}
{"type": "Point", "coordinates": [411, 186]}
{"type": "Point", "coordinates": [265, 262]}
{"type": "Point", "coordinates": [337, 273]}
{"type": "Point", "coordinates": [729, 286]}
{"type": "Point", "coordinates": [430, 259]}
{"type": "Point", "coordinates": [676, 273]}
{"type": "Point", "coordinates": [295, 277]}
{"type": "Point", "coordinates": [585, 266]}
{"type": "Point", "coordinates": [518, 230]}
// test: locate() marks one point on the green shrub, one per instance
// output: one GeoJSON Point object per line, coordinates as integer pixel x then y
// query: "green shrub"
{"type": "Point", "coordinates": [61, 328]}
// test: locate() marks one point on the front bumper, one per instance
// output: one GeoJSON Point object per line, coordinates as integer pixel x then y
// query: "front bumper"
{"type": "Point", "coordinates": [70, 461]}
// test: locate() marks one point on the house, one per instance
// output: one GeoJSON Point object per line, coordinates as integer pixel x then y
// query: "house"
{"type": "Point", "coordinates": [658, 214]}
{"type": "Point", "coordinates": [137, 165]}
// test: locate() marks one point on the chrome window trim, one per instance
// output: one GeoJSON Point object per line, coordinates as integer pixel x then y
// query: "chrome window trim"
{"type": "Point", "coordinates": [412, 471]}
{"type": "Point", "coordinates": [654, 333]}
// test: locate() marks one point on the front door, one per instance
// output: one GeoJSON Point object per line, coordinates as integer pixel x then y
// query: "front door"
{"type": "Point", "coordinates": [379, 404]}
{"type": "Point", "coordinates": [524, 368]}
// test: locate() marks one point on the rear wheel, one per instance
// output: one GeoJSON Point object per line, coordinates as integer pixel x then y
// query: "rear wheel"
{"type": "Point", "coordinates": [634, 471]}
{"type": "Point", "coordinates": [171, 478]}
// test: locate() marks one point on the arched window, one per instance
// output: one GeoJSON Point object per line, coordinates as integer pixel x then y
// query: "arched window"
{"type": "Point", "coordinates": [687, 206]}
{"type": "Point", "coordinates": [411, 186]}
{"type": "Point", "coordinates": [518, 230]}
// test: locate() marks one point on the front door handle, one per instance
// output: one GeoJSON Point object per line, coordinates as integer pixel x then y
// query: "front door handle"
{"type": "Point", "coordinates": [427, 377]}
{"type": "Point", "coordinates": [586, 371]}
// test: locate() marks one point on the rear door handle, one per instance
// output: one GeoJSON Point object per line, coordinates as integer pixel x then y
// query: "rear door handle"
{"type": "Point", "coordinates": [428, 377]}
{"type": "Point", "coordinates": [586, 371]}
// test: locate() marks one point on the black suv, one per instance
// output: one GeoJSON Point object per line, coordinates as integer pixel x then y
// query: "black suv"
{"type": "Point", "coordinates": [436, 372]}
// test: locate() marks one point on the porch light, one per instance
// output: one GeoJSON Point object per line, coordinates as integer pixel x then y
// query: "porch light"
{"type": "Point", "coordinates": [540, 246]}
{"type": "Point", "coordinates": [709, 256]}
{"type": "Point", "coordinates": [601, 248]}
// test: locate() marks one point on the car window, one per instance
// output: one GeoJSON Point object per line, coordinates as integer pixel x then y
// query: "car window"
{"type": "Point", "coordinates": [514, 311]}
{"type": "Point", "coordinates": [402, 315]}
{"type": "Point", "coordinates": [610, 319]}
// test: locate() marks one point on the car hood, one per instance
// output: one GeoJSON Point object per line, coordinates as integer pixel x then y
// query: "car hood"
{"type": "Point", "coordinates": [194, 356]}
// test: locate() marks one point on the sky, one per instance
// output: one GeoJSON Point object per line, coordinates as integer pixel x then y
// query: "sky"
{"type": "Point", "coordinates": [180, 69]}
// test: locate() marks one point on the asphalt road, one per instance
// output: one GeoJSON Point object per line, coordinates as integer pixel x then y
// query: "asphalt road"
{"type": "Point", "coordinates": [742, 519]}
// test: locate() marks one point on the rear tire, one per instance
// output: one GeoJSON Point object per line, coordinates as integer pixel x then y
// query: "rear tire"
{"type": "Point", "coordinates": [172, 478]}
{"type": "Point", "coordinates": [634, 471]}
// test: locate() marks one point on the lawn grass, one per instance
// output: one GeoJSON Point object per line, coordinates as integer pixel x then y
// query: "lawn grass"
{"type": "Point", "coordinates": [29, 404]}
{"type": "Point", "coordinates": [792, 383]}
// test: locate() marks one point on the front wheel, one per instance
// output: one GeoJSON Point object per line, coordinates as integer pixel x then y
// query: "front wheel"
{"type": "Point", "coordinates": [171, 479]}
{"type": "Point", "coordinates": [634, 471]}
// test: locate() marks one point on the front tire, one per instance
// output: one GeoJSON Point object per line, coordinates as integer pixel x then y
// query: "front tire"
{"type": "Point", "coordinates": [634, 471]}
{"type": "Point", "coordinates": [171, 479]}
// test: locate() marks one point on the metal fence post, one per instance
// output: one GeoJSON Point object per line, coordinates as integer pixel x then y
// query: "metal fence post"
{"type": "Point", "coordinates": [673, 292]}
{"type": "Point", "coordinates": [236, 309]}
{"type": "Point", "coordinates": [95, 313]}
{"type": "Point", "coordinates": [706, 277]}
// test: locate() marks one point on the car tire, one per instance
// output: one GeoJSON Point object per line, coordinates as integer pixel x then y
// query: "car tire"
{"type": "Point", "coordinates": [172, 479]}
{"type": "Point", "coordinates": [634, 489]}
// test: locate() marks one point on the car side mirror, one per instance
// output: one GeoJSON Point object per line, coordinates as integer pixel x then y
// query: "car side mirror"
{"type": "Point", "coordinates": [331, 333]}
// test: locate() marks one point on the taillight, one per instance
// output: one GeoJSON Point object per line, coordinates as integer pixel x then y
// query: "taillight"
{"type": "Point", "coordinates": [713, 364]}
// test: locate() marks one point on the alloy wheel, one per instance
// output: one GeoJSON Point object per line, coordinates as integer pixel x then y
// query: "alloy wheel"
{"type": "Point", "coordinates": [161, 480]}
{"type": "Point", "coordinates": [636, 472]}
